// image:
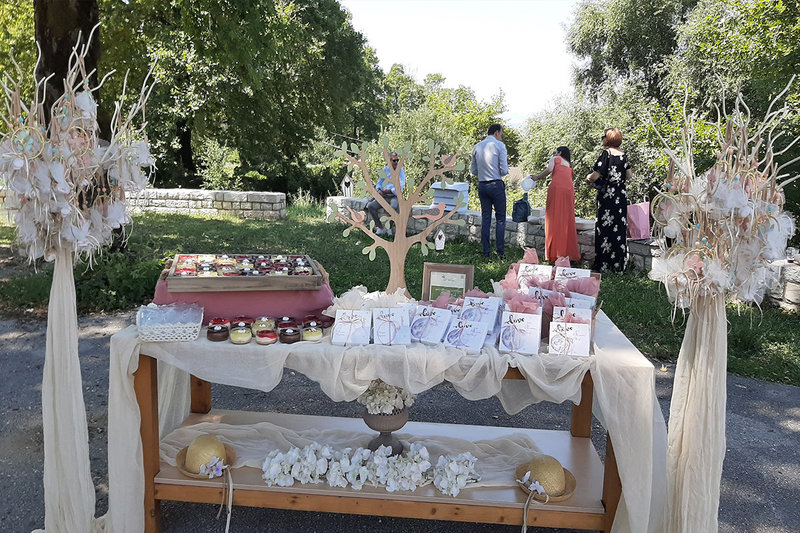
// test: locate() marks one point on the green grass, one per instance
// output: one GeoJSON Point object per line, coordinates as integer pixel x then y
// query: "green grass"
{"type": "Point", "coordinates": [762, 344]}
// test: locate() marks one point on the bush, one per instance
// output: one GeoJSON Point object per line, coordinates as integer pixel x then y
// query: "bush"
{"type": "Point", "coordinates": [218, 165]}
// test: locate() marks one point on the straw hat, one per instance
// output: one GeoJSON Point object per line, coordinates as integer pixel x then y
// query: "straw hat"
{"type": "Point", "coordinates": [557, 482]}
{"type": "Point", "coordinates": [200, 452]}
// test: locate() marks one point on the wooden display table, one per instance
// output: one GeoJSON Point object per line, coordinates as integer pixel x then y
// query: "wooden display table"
{"type": "Point", "coordinates": [592, 506]}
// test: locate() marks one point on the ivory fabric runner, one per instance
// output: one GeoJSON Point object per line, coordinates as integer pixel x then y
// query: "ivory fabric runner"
{"type": "Point", "coordinates": [69, 491]}
{"type": "Point", "coordinates": [497, 458]}
{"type": "Point", "coordinates": [625, 399]}
{"type": "Point", "coordinates": [697, 420]}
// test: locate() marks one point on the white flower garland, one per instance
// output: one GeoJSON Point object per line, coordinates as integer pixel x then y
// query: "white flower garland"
{"type": "Point", "coordinates": [316, 463]}
{"type": "Point", "coordinates": [382, 398]}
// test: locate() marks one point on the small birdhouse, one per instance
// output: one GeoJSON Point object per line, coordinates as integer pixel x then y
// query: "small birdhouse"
{"type": "Point", "coordinates": [438, 241]}
{"type": "Point", "coordinates": [347, 186]}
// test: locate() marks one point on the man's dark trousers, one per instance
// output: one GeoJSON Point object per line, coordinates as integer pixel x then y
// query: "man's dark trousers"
{"type": "Point", "coordinates": [492, 194]}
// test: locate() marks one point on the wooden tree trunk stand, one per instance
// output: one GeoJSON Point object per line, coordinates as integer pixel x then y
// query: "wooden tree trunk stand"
{"type": "Point", "coordinates": [592, 507]}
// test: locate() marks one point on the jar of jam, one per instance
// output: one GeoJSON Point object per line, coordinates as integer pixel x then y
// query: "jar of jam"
{"type": "Point", "coordinates": [246, 319]}
{"type": "Point", "coordinates": [289, 335]}
{"type": "Point", "coordinates": [241, 335]}
{"type": "Point", "coordinates": [218, 321]}
{"type": "Point", "coordinates": [287, 322]}
{"type": "Point", "coordinates": [217, 333]}
{"type": "Point", "coordinates": [266, 336]}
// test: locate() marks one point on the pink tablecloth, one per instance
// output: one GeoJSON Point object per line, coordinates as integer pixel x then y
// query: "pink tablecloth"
{"type": "Point", "coordinates": [250, 303]}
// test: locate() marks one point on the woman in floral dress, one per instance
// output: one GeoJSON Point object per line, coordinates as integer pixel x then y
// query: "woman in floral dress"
{"type": "Point", "coordinates": [611, 173]}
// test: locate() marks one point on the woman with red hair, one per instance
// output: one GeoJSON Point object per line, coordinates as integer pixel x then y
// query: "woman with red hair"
{"type": "Point", "coordinates": [611, 172]}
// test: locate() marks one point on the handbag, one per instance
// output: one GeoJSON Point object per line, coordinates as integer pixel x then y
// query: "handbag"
{"type": "Point", "coordinates": [639, 220]}
{"type": "Point", "coordinates": [521, 209]}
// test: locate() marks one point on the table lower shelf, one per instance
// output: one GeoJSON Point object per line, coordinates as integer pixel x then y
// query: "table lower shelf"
{"type": "Point", "coordinates": [502, 505]}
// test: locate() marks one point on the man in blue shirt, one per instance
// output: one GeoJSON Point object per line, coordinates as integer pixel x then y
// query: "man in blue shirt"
{"type": "Point", "coordinates": [386, 189]}
{"type": "Point", "coordinates": [490, 164]}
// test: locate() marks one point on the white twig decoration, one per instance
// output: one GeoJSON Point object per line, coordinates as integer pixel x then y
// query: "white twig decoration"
{"type": "Point", "coordinates": [727, 224]}
{"type": "Point", "coordinates": [65, 187]}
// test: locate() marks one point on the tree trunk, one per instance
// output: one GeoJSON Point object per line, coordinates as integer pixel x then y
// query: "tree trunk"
{"type": "Point", "coordinates": [185, 151]}
{"type": "Point", "coordinates": [57, 25]}
{"type": "Point", "coordinates": [397, 263]}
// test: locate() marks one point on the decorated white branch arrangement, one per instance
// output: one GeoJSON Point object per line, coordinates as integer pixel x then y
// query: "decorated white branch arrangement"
{"type": "Point", "coordinates": [65, 187]}
{"type": "Point", "coordinates": [727, 224]}
{"type": "Point", "coordinates": [382, 398]}
{"type": "Point", "coordinates": [412, 193]}
{"type": "Point", "coordinates": [316, 463]}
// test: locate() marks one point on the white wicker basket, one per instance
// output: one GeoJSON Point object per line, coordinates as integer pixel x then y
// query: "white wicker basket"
{"type": "Point", "coordinates": [169, 332]}
{"type": "Point", "coordinates": [169, 323]}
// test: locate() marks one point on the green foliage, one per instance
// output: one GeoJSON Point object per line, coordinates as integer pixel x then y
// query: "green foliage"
{"type": "Point", "coordinates": [27, 291]}
{"type": "Point", "coordinates": [218, 166]}
{"type": "Point", "coordinates": [403, 92]}
{"type": "Point", "coordinates": [747, 46]}
{"type": "Point", "coordinates": [454, 118]}
{"type": "Point", "coordinates": [257, 76]}
{"type": "Point", "coordinates": [16, 38]}
{"type": "Point", "coordinates": [761, 344]}
{"type": "Point", "coordinates": [119, 280]}
{"type": "Point", "coordinates": [628, 40]}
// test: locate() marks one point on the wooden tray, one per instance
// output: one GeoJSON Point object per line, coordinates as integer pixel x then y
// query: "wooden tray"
{"type": "Point", "coordinates": [244, 283]}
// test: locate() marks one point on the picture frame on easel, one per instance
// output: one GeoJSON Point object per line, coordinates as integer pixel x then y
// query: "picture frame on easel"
{"type": "Point", "coordinates": [438, 277]}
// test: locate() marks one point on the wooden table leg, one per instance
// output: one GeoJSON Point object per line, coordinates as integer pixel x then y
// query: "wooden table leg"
{"type": "Point", "coordinates": [145, 384]}
{"type": "Point", "coordinates": [612, 485]}
{"type": "Point", "coordinates": [582, 413]}
{"type": "Point", "coordinates": [201, 395]}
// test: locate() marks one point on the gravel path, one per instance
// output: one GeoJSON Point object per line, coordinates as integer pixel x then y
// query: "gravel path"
{"type": "Point", "coordinates": [760, 485]}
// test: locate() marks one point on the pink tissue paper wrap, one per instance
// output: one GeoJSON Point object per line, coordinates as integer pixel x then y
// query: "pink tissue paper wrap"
{"type": "Point", "coordinates": [587, 286]}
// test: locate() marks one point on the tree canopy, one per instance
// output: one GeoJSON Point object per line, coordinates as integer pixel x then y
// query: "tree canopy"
{"type": "Point", "coordinates": [643, 63]}
{"type": "Point", "coordinates": [256, 76]}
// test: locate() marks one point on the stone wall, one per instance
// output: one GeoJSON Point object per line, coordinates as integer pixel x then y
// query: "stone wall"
{"type": "Point", "coordinates": [252, 205]}
{"type": "Point", "coordinates": [786, 292]}
{"type": "Point", "coordinates": [641, 253]}
{"type": "Point", "coordinates": [527, 234]}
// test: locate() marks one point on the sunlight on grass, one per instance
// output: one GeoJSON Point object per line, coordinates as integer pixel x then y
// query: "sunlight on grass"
{"type": "Point", "coordinates": [761, 344]}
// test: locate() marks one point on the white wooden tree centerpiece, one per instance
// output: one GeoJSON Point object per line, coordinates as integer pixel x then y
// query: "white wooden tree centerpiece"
{"type": "Point", "coordinates": [413, 193]}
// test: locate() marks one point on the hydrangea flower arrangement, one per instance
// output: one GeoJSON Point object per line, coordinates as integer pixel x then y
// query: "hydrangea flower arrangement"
{"type": "Point", "coordinates": [452, 474]}
{"type": "Point", "coordinates": [355, 468]}
{"type": "Point", "coordinates": [382, 398]}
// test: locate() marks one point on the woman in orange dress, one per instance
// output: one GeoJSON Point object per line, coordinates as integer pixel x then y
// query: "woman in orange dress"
{"type": "Point", "coordinates": [560, 236]}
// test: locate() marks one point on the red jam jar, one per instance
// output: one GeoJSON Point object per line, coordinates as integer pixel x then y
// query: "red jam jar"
{"type": "Point", "coordinates": [217, 321]}
{"type": "Point", "coordinates": [266, 336]}
{"type": "Point", "coordinates": [248, 320]}
{"type": "Point", "coordinates": [311, 321]}
{"type": "Point", "coordinates": [325, 320]}
{"type": "Point", "coordinates": [287, 322]}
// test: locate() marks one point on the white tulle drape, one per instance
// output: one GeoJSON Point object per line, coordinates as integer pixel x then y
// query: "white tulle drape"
{"type": "Point", "coordinates": [696, 442]}
{"type": "Point", "coordinates": [68, 488]}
